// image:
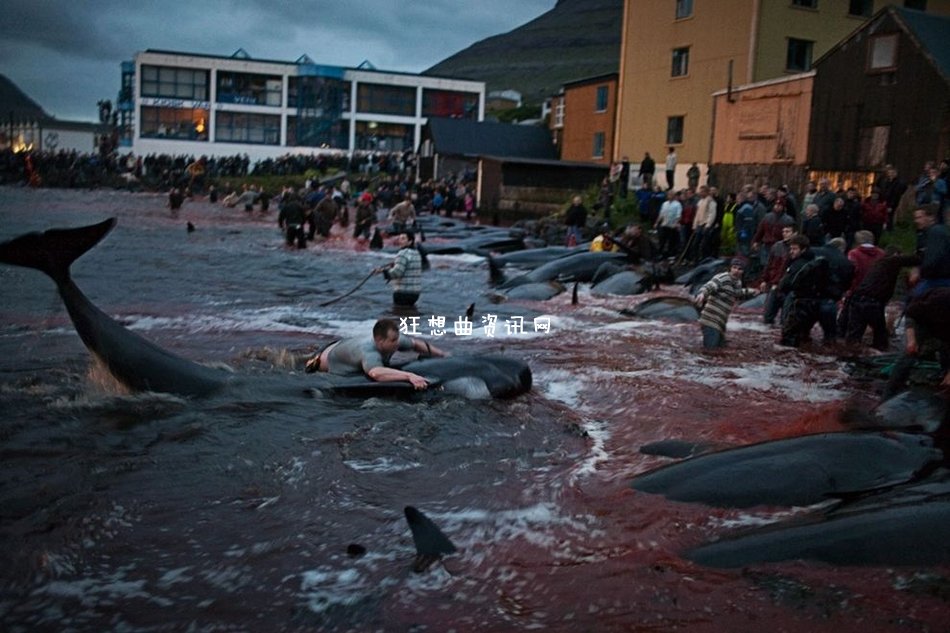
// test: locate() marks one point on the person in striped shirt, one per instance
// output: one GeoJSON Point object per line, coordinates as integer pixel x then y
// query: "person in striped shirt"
{"type": "Point", "coordinates": [717, 298]}
{"type": "Point", "coordinates": [405, 271]}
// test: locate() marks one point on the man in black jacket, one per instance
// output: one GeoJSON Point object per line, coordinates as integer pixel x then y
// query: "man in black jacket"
{"type": "Point", "coordinates": [804, 285]}
{"type": "Point", "coordinates": [933, 247]}
{"type": "Point", "coordinates": [575, 219]}
{"type": "Point", "coordinates": [865, 307]}
{"type": "Point", "coordinates": [647, 169]}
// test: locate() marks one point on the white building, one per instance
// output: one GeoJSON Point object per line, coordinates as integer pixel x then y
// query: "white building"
{"type": "Point", "coordinates": [187, 103]}
{"type": "Point", "coordinates": [25, 126]}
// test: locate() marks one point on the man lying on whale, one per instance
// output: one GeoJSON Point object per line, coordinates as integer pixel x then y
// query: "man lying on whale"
{"type": "Point", "coordinates": [362, 355]}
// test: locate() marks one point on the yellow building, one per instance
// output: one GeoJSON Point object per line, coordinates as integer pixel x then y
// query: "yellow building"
{"type": "Point", "coordinates": [676, 53]}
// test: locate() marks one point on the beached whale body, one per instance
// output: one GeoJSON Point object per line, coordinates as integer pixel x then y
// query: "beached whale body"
{"type": "Point", "coordinates": [141, 365]}
{"type": "Point", "coordinates": [899, 517]}
{"type": "Point", "coordinates": [473, 377]}
{"type": "Point", "coordinates": [798, 471]}
{"type": "Point", "coordinates": [669, 308]}
{"type": "Point", "coordinates": [541, 291]}
{"type": "Point", "coordinates": [575, 267]}
{"type": "Point", "coordinates": [905, 526]}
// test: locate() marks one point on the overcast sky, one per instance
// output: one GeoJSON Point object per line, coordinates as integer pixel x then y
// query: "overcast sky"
{"type": "Point", "coordinates": [65, 54]}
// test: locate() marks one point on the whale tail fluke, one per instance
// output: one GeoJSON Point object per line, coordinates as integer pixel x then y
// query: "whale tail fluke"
{"type": "Point", "coordinates": [430, 542]}
{"type": "Point", "coordinates": [53, 251]}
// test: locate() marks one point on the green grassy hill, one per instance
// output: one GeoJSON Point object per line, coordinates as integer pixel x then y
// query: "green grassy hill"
{"type": "Point", "coordinates": [574, 40]}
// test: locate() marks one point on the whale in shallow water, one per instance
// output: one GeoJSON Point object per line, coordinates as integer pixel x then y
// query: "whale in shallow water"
{"type": "Point", "coordinates": [473, 377]}
{"type": "Point", "coordinates": [670, 308]}
{"type": "Point", "coordinates": [141, 365]}
{"type": "Point", "coordinates": [136, 362]}
{"type": "Point", "coordinates": [797, 471]}
{"type": "Point", "coordinates": [528, 258]}
{"type": "Point", "coordinates": [913, 410]}
{"type": "Point", "coordinates": [624, 282]}
{"type": "Point", "coordinates": [476, 245]}
{"type": "Point", "coordinates": [431, 543]}
{"type": "Point", "coordinates": [904, 526]}
{"type": "Point", "coordinates": [541, 291]}
{"type": "Point", "coordinates": [574, 267]}
{"type": "Point", "coordinates": [703, 272]}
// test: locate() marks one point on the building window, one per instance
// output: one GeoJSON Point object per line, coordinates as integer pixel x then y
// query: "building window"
{"type": "Point", "coordinates": [322, 94]}
{"type": "Point", "coordinates": [799, 55]}
{"type": "Point", "coordinates": [861, 8]}
{"type": "Point", "coordinates": [559, 113]}
{"type": "Point", "coordinates": [674, 130]}
{"type": "Point", "coordinates": [303, 131]}
{"type": "Point", "coordinates": [872, 150]}
{"type": "Point", "coordinates": [684, 9]}
{"type": "Point", "coordinates": [380, 99]}
{"type": "Point", "coordinates": [680, 61]}
{"type": "Point", "coordinates": [449, 103]}
{"type": "Point", "coordinates": [384, 137]}
{"type": "Point", "coordinates": [249, 89]}
{"type": "Point", "coordinates": [882, 52]}
{"type": "Point", "coordinates": [174, 83]}
{"type": "Point", "coordinates": [602, 92]}
{"type": "Point", "coordinates": [807, 4]}
{"type": "Point", "coordinates": [181, 124]}
{"type": "Point", "coordinates": [244, 127]}
{"type": "Point", "coordinates": [598, 145]}
{"type": "Point", "coordinates": [920, 5]}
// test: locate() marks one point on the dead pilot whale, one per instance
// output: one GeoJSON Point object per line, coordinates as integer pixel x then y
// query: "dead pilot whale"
{"type": "Point", "coordinates": [906, 525]}
{"type": "Point", "coordinates": [135, 361]}
{"type": "Point", "coordinates": [141, 365]}
{"type": "Point", "coordinates": [797, 471]}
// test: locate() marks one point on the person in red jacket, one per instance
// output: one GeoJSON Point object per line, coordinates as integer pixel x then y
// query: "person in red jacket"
{"type": "Point", "coordinates": [860, 311]}
{"type": "Point", "coordinates": [874, 214]}
{"type": "Point", "coordinates": [769, 231]}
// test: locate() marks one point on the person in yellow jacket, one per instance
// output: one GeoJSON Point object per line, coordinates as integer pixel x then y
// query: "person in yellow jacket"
{"type": "Point", "coordinates": [604, 242]}
{"type": "Point", "coordinates": [727, 240]}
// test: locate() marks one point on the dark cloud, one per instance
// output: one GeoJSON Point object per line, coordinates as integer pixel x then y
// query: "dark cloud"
{"type": "Point", "coordinates": [66, 55]}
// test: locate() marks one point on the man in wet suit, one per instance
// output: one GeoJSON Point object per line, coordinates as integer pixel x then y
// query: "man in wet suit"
{"type": "Point", "coordinates": [291, 219]}
{"type": "Point", "coordinates": [371, 356]}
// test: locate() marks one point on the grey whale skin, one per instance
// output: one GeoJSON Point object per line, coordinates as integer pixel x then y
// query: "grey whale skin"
{"type": "Point", "coordinates": [891, 492]}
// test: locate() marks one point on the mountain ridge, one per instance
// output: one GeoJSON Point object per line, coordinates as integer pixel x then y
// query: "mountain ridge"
{"type": "Point", "coordinates": [575, 40]}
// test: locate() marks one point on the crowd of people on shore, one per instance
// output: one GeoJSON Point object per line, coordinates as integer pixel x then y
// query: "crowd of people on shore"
{"type": "Point", "coordinates": [817, 258]}
{"type": "Point", "coordinates": [162, 172]}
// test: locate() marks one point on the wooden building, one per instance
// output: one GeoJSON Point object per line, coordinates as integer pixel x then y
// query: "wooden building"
{"type": "Point", "coordinates": [515, 166]}
{"type": "Point", "coordinates": [882, 96]}
{"type": "Point", "coordinates": [760, 133]}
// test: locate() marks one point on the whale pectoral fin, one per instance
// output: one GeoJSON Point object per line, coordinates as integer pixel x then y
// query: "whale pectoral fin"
{"type": "Point", "coordinates": [429, 540]}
